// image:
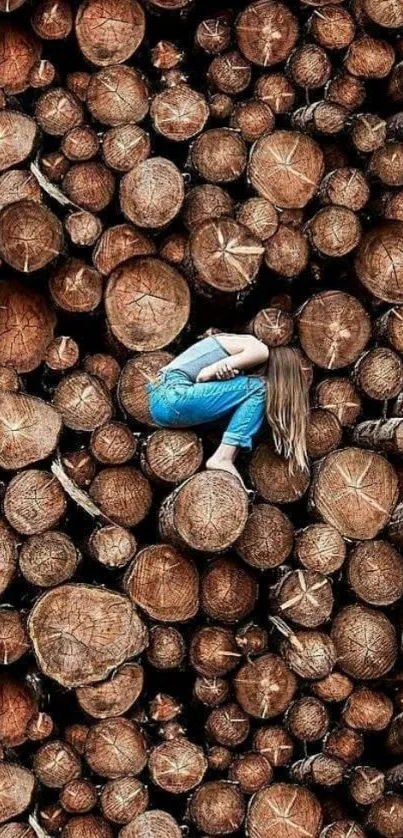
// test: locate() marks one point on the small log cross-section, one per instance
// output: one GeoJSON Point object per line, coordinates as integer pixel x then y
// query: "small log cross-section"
{"type": "Point", "coordinates": [208, 512]}
{"type": "Point", "coordinates": [379, 261]}
{"type": "Point", "coordinates": [17, 787]}
{"type": "Point", "coordinates": [334, 329]}
{"type": "Point", "coordinates": [17, 137]}
{"type": "Point", "coordinates": [26, 326]}
{"type": "Point", "coordinates": [114, 696]}
{"type": "Point", "coordinates": [164, 584]}
{"type": "Point", "coordinates": [225, 255]}
{"type": "Point", "coordinates": [171, 455]}
{"type": "Point", "coordinates": [30, 236]}
{"type": "Point", "coordinates": [29, 430]}
{"type": "Point", "coordinates": [152, 193]}
{"type": "Point", "coordinates": [179, 113]}
{"type": "Point", "coordinates": [365, 642]}
{"type": "Point", "coordinates": [355, 491]}
{"type": "Point", "coordinates": [107, 32]}
{"type": "Point", "coordinates": [147, 303]}
{"type": "Point", "coordinates": [286, 167]}
{"type": "Point", "coordinates": [177, 766]}
{"type": "Point", "coordinates": [284, 810]}
{"type": "Point", "coordinates": [266, 32]}
{"type": "Point", "coordinates": [265, 687]}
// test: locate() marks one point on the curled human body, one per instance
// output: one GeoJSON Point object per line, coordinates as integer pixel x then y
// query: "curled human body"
{"type": "Point", "coordinates": [236, 376]}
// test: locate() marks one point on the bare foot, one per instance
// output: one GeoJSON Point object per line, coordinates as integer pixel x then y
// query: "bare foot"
{"type": "Point", "coordinates": [215, 463]}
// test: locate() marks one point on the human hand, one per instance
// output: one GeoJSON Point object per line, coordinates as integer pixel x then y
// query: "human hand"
{"type": "Point", "coordinates": [224, 371]}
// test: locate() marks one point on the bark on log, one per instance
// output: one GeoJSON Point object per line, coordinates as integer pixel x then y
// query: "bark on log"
{"type": "Point", "coordinates": [385, 436]}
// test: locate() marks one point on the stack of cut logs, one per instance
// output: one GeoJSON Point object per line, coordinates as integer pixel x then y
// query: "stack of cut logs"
{"type": "Point", "coordinates": [178, 659]}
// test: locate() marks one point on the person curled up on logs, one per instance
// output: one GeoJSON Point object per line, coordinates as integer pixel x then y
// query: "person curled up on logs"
{"type": "Point", "coordinates": [208, 381]}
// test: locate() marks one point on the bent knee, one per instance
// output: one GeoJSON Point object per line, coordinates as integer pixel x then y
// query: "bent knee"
{"type": "Point", "coordinates": [258, 387]}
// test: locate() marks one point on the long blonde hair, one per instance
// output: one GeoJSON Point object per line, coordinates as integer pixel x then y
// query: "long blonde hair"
{"type": "Point", "coordinates": [287, 404]}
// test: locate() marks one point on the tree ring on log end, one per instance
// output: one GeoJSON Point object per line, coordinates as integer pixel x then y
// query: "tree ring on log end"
{"type": "Point", "coordinates": [286, 168]}
{"type": "Point", "coordinates": [355, 491]}
{"type": "Point", "coordinates": [379, 261]}
{"type": "Point", "coordinates": [147, 303]}
{"type": "Point", "coordinates": [81, 633]}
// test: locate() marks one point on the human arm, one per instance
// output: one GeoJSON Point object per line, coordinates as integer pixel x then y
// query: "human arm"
{"type": "Point", "coordinates": [249, 353]}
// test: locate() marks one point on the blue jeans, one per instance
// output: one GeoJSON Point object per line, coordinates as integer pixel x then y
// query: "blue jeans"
{"type": "Point", "coordinates": [178, 402]}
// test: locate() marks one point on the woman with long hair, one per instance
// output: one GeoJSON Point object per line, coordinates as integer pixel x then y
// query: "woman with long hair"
{"type": "Point", "coordinates": [207, 382]}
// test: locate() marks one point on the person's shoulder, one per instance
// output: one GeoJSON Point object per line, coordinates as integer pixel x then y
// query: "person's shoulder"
{"type": "Point", "coordinates": [259, 346]}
